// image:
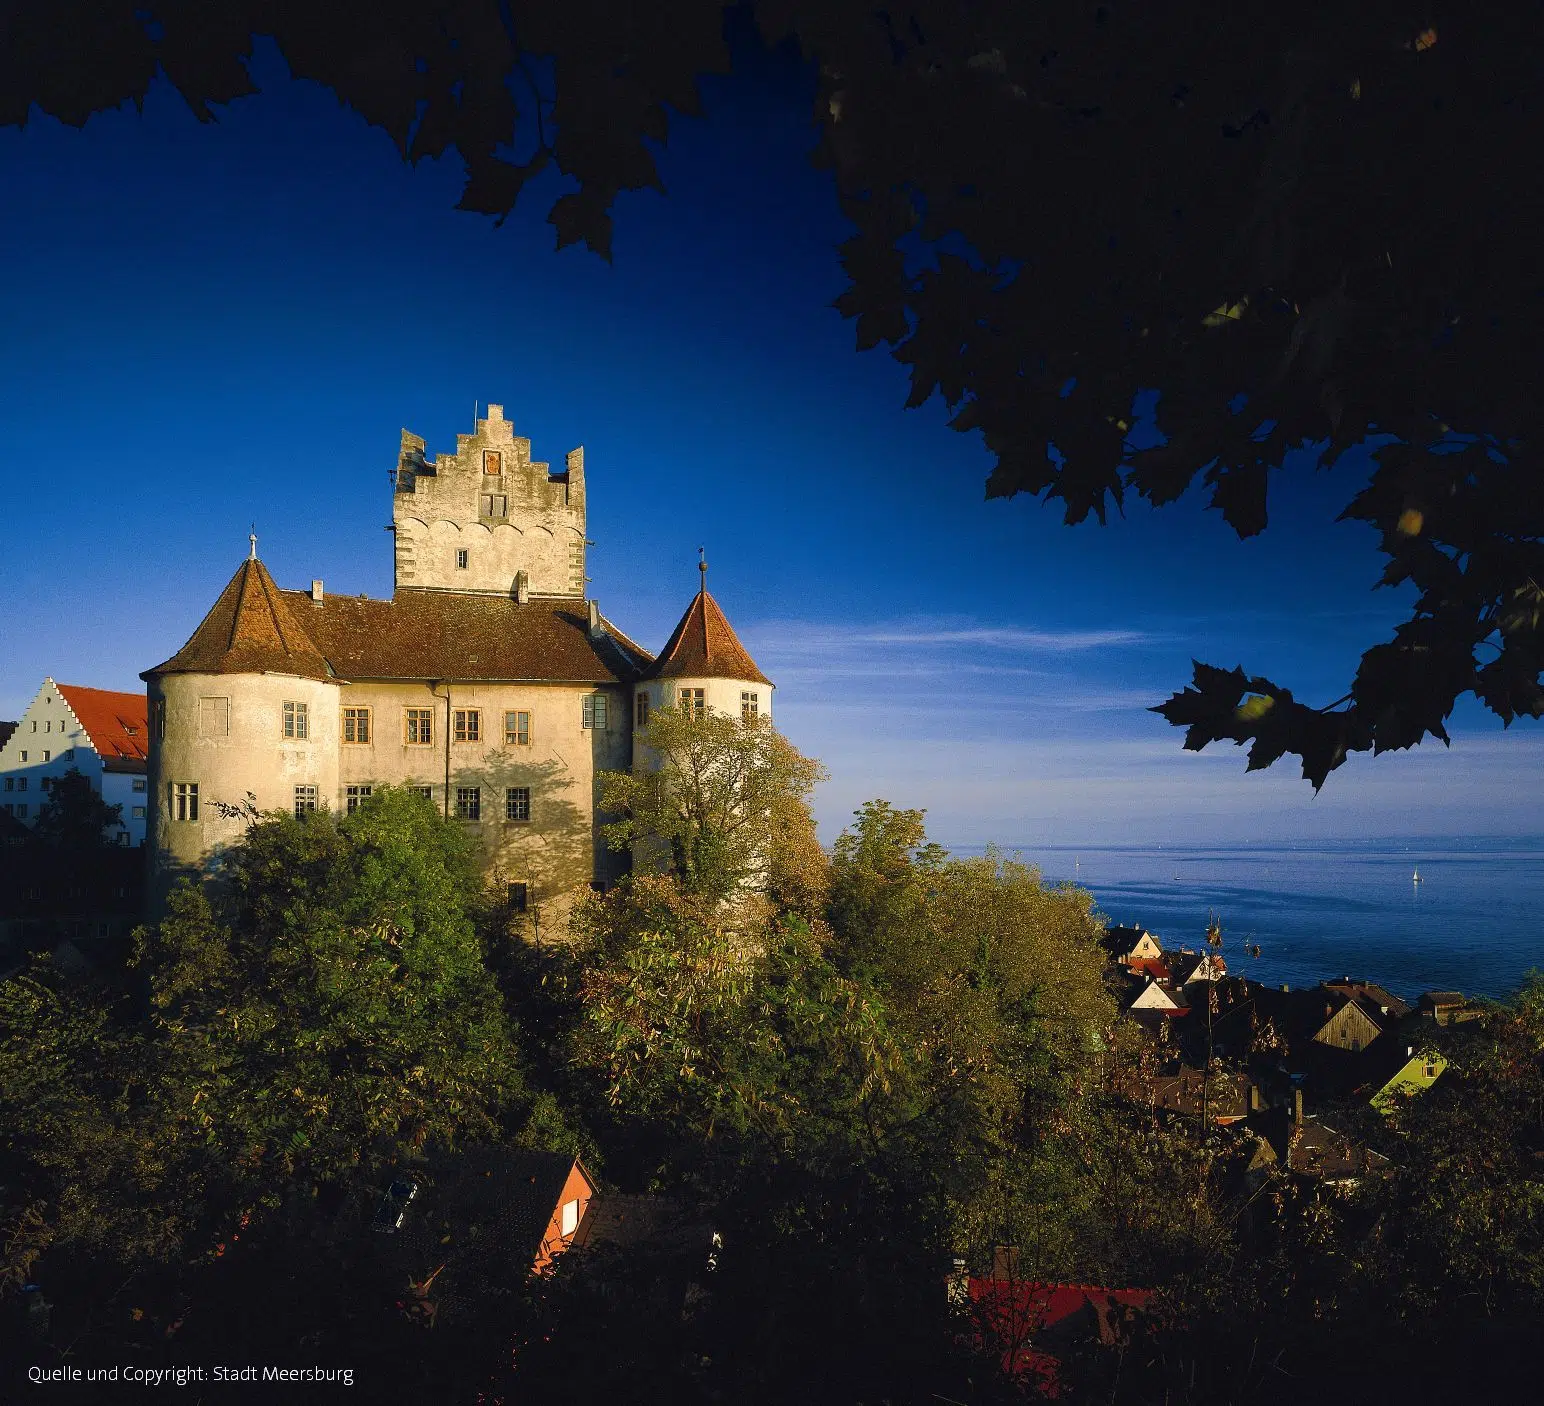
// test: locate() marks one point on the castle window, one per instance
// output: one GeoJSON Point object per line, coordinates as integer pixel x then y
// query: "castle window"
{"type": "Point", "coordinates": [48, 756]}
{"type": "Point", "coordinates": [468, 803]}
{"type": "Point", "coordinates": [356, 725]}
{"type": "Point", "coordinates": [517, 729]}
{"type": "Point", "coordinates": [493, 461]}
{"type": "Point", "coordinates": [352, 795]}
{"type": "Point", "coordinates": [297, 720]}
{"type": "Point", "coordinates": [139, 784]}
{"type": "Point", "coordinates": [595, 711]}
{"type": "Point", "coordinates": [693, 702]}
{"type": "Point", "coordinates": [305, 800]}
{"type": "Point", "coordinates": [21, 811]}
{"type": "Point", "coordinates": [468, 725]}
{"type": "Point", "coordinates": [641, 710]}
{"type": "Point", "coordinates": [418, 727]}
{"type": "Point", "coordinates": [184, 800]}
{"type": "Point", "coordinates": [10, 783]}
{"type": "Point", "coordinates": [214, 717]}
{"type": "Point", "coordinates": [21, 781]}
{"type": "Point", "coordinates": [24, 756]}
{"type": "Point", "coordinates": [750, 705]}
{"type": "Point", "coordinates": [138, 812]}
{"type": "Point", "coordinates": [495, 505]}
{"type": "Point", "coordinates": [158, 718]}
{"type": "Point", "coordinates": [427, 792]}
{"type": "Point", "coordinates": [517, 803]}
{"type": "Point", "coordinates": [461, 559]}
{"type": "Point", "coordinates": [518, 897]}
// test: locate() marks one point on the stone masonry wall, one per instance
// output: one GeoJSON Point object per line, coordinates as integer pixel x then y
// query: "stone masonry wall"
{"type": "Point", "coordinates": [492, 502]}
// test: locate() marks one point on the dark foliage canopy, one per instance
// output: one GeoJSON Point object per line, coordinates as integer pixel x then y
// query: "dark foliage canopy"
{"type": "Point", "coordinates": [1299, 224]}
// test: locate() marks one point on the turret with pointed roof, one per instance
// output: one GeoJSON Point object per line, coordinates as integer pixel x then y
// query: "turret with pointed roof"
{"type": "Point", "coordinates": [250, 630]}
{"type": "Point", "coordinates": [705, 646]}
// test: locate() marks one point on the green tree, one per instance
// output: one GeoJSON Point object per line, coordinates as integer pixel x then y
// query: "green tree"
{"type": "Point", "coordinates": [328, 1002]}
{"type": "Point", "coordinates": [727, 799]}
{"type": "Point", "coordinates": [75, 816]}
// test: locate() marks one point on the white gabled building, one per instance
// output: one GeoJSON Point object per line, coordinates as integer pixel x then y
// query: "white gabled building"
{"type": "Point", "coordinates": [100, 733]}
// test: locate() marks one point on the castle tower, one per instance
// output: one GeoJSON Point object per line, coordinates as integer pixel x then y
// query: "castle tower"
{"type": "Point", "coordinates": [247, 705]}
{"type": "Point", "coordinates": [704, 666]}
{"type": "Point", "coordinates": [488, 519]}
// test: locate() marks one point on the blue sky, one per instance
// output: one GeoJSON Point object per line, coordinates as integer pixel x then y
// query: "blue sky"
{"type": "Point", "coordinates": [211, 326]}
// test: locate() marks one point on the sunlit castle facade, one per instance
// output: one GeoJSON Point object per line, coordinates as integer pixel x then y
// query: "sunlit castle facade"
{"type": "Point", "coordinates": [488, 680]}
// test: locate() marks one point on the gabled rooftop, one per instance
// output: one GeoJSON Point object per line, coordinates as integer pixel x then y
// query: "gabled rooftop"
{"type": "Point", "coordinates": [116, 723]}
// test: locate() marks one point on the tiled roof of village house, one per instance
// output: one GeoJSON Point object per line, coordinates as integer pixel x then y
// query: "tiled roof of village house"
{"type": "Point", "coordinates": [251, 629]}
{"type": "Point", "coordinates": [116, 723]}
{"type": "Point", "coordinates": [446, 635]}
{"type": "Point", "coordinates": [704, 646]}
{"type": "Point", "coordinates": [257, 628]}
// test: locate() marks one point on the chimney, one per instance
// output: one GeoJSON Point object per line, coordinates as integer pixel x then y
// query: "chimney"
{"type": "Point", "coordinates": [316, 591]}
{"type": "Point", "coordinates": [523, 587]}
{"type": "Point", "coordinates": [1297, 1107]}
{"type": "Point", "coordinates": [597, 630]}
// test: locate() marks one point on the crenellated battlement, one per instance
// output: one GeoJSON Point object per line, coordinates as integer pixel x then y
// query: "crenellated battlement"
{"type": "Point", "coordinates": [472, 520]}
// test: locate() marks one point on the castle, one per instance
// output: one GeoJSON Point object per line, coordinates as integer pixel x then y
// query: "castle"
{"type": "Point", "coordinates": [488, 681]}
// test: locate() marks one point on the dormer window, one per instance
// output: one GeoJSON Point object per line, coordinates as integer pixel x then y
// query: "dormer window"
{"type": "Point", "coordinates": [493, 461]}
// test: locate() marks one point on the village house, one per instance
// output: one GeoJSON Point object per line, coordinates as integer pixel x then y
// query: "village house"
{"type": "Point", "coordinates": [453, 1231]}
{"type": "Point", "coordinates": [1396, 1071]}
{"type": "Point", "coordinates": [1447, 1007]}
{"type": "Point", "coordinates": [489, 681]}
{"type": "Point", "coordinates": [1128, 945]}
{"type": "Point", "coordinates": [100, 733]}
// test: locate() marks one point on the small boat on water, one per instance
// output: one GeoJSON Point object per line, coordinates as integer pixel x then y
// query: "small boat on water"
{"type": "Point", "coordinates": [1415, 878]}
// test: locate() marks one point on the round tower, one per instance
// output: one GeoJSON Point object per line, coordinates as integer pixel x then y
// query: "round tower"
{"type": "Point", "coordinates": [247, 707]}
{"type": "Point", "coordinates": [703, 666]}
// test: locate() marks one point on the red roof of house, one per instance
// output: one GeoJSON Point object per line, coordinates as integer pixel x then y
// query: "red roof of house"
{"type": "Point", "coordinates": [1153, 966]}
{"type": "Point", "coordinates": [117, 723]}
{"type": "Point", "coordinates": [705, 647]}
{"type": "Point", "coordinates": [1023, 1317]}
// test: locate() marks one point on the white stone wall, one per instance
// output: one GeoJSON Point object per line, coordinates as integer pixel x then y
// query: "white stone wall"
{"type": "Point", "coordinates": [559, 849]}
{"type": "Point", "coordinates": [535, 523]}
{"type": "Point", "coordinates": [224, 733]}
{"type": "Point", "coordinates": [49, 741]}
{"type": "Point", "coordinates": [557, 853]}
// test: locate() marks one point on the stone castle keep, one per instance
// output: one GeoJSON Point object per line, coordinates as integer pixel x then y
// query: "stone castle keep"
{"type": "Point", "coordinates": [488, 680]}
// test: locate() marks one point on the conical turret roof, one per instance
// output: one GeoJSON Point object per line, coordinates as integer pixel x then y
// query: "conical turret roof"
{"type": "Point", "coordinates": [251, 630]}
{"type": "Point", "coordinates": [704, 646]}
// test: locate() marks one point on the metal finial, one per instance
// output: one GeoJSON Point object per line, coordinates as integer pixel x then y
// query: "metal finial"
{"type": "Point", "coordinates": [702, 565]}
{"type": "Point", "coordinates": [252, 538]}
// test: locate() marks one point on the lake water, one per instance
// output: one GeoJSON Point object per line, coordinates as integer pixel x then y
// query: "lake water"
{"type": "Point", "coordinates": [1475, 922]}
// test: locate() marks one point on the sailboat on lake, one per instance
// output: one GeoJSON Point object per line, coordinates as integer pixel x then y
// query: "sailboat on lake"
{"type": "Point", "coordinates": [1415, 878]}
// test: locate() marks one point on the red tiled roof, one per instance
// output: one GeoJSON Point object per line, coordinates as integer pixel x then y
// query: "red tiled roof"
{"type": "Point", "coordinates": [116, 723]}
{"type": "Point", "coordinates": [1013, 1314]}
{"type": "Point", "coordinates": [249, 630]}
{"type": "Point", "coordinates": [255, 627]}
{"type": "Point", "coordinates": [704, 646]}
{"type": "Point", "coordinates": [448, 635]}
